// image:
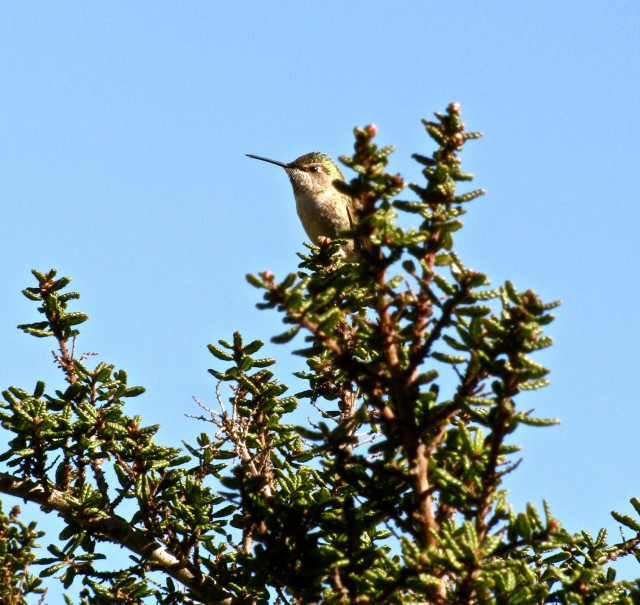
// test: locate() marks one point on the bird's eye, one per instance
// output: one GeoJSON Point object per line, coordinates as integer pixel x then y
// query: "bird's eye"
{"type": "Point", "coordinates": [314, 168]}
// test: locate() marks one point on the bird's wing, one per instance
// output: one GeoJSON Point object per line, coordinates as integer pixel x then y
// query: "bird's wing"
{"type": "Point", "coordinates": [353, 220]}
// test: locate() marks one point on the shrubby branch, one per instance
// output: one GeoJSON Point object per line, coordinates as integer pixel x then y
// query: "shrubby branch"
{"type": "Point", "coordinates": [392, 493]}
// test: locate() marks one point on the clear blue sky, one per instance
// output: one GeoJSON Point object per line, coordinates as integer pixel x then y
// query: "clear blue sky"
{"type": "Point", "coordinates": [123, 129]}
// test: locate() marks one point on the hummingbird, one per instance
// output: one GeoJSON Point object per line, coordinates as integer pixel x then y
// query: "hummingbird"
{"type": "Point", "coordinates": [323, 210]}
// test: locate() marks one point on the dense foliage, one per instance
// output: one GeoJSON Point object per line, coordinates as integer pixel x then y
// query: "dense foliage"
{"type": "Point", "coordinates": [392, 494]}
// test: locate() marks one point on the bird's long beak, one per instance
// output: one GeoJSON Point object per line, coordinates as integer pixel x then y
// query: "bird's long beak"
{"type": "Point", "coordinates": [257, 157]}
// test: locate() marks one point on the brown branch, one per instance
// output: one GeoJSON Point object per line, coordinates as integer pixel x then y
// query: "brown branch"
{"type": "Point", "coordinates": [621, 550]}
{"type": "Point", "coordinates": [315, 329]}
{"type": "Point", "coordinates": [112, 528]}
{"type": "Point", "coordinates": [492, 476]}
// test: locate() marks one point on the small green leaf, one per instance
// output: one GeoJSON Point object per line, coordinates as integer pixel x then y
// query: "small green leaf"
{"type": "Point", "coordinates": [134, 391]}
{"type": "Point", "coordinates": [32, 294]}
{"type": "Point", "coordinates": [225, 511]}
{"type": "Point", "coordinates": [219, 353]}
{"type": "Point", "coordinates": [626, 520]}
{"type": "Point", "coordinates": [39, 390]}
{"type": "Point", "coordinates": [253, 347]}
{"type": "Point", "coordinates": [63, 282]}
{"type": "Point", "coordinates": [73, 319]}
{"type": "Point", "coordinates": [286, 336]}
